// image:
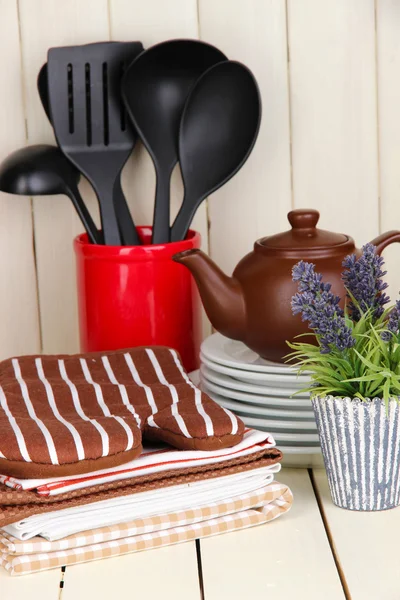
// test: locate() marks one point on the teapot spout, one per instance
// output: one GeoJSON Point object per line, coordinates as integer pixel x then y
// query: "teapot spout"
{"type": "Point", "coordinates": [385, 239]}
{"type": "Point", "coordinates": [222, 296]}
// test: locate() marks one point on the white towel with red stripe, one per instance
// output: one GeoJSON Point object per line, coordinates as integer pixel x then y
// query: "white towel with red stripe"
{"type": "Point", "coordinates": [59, 524]}
{"type": "Point", "coordinates": [152, 460]}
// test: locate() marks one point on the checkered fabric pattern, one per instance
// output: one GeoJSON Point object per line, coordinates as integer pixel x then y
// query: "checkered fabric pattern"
{"type": "Point", "coordinates": [264, 505]}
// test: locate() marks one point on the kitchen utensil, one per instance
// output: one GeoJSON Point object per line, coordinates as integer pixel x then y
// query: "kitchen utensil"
{"type": "Point", "coordinates": [43, 90]}
{"type": "Point", "coordinates": [43, 170]}
{"type": "Point", "coordinates": [91, 126]}
{"type": "Point", "coordinates": [129, 235]}
{"type": "Point", "coordinates": [154, 89]}
{"type": "Point", "coordinates": [232, 353]}
{"type": "Point", "coordinates": [137, 296]}
{"type": "Point", "coordinates": [219, 127]}
{"type": "Point", "coordinates": [254, 382]}
{"type": "Point", "coordinates": [254, 304]}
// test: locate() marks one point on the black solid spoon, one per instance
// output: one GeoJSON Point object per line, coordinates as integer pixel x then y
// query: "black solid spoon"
{"type": "Point", "coordinates": [219, 127]}
{"type": "Point", "coordinates": [43, 170]}
{"type": "Point", "coordinates": [154, 89]}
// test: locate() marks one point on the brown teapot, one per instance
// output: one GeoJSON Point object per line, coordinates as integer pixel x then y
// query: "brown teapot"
{"type": "Point", "coordinates": [253, 305]}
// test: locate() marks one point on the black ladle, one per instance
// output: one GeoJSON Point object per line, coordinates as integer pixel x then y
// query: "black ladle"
{"type": "Point", "coordinates": [43, 170]}
{"type": "Point", "coordinates": [219, 127]}
{"type": "Point", "coordinates": [154, 89]}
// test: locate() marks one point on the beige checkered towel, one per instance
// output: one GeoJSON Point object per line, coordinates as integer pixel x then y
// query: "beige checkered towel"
{"type": "Point", "coordinates": [263, 505]}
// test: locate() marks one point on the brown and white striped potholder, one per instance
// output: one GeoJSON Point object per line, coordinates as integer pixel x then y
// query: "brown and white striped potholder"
{"type": "Point", "coordinates": [64, 415]}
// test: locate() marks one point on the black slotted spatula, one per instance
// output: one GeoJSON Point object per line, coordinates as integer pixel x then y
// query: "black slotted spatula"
{"type": "Point", "coordinates": [90, 124]}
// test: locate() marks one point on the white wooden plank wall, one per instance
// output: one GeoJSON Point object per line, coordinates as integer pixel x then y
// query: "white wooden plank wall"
{"type": "Point", "coordinates": [329, 77]}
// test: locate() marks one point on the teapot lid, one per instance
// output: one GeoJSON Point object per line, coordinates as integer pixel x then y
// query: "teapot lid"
{"type": "Point", "coordinates": [304, 233]}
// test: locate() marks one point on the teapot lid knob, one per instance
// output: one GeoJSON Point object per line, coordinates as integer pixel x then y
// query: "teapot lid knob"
{"type": "Point", "coordinates": [303, 218]}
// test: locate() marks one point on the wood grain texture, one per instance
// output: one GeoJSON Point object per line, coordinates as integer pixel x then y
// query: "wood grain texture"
{"type": "Point", "coordinates": [255, 202]}
{"type": "Point", "coordinates": [333, 109]}
{"type": "Point", "coordinates": [388, 69]}
{"type": "Point", "coordinates": [45, 585]}
{"type": "Point", "coordinates": [372, 574]}
{"type": "Point", "coordinates": [59, 23]}
{"type": "Point", "coordinates": [19, 318]}
{"type": "Point", "coordinates": [169, 573]}
{"type": "Point", "coordinates": [287, 558]}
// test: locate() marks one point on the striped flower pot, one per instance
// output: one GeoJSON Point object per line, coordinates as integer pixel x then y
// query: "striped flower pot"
{"type": "Point", "coordinates": [360, 443]}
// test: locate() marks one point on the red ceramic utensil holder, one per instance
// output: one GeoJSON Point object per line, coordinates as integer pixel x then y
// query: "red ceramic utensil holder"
{"type": "Point", "coordinates": [137, 296]}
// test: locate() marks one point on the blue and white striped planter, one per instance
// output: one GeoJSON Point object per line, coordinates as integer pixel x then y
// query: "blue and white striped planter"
{"type": "Point", "coordinates": [360, 444]}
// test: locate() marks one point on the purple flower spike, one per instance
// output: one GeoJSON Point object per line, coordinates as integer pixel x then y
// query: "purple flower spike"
{"type": "Point", "coordinates": [363, 279]}
{"type": "Point", "coordinates": [393, 324]}
{"type": "Point", "coordinates": [317, 305]}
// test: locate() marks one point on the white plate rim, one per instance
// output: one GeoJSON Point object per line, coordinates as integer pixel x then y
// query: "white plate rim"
{"type": "Point", "coordinates": [217, 339]}
{"type": "Point", "coordinates": [279, 424]}
{"type": "Point", "coordinates": [253, 390]}
{"type": "Point", "coordinates": [254, 377]}
{"type": "Point", "coordinates": [244, 407]}
{"type": "Point", "coordinates": [262, 400]}
{"type": "Point", "coordinates": [299, 450]}
{"type": "Point", "coordinates": [281, 435]}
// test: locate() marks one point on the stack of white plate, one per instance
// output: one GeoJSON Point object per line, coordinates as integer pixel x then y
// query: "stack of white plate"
{"type": "Point", "coordinates": [262, 394]}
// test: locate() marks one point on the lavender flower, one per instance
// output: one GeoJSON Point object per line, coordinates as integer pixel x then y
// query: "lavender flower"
{"type": "Point", "coordinates": [363, 279]}
{"type": "Point", "coordinates": [320, 307]}
{"type": "Point", "coordinates": [393, 324]}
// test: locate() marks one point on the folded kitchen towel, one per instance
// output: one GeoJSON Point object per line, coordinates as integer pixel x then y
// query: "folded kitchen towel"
{"type": "Point", "coordinates": [152, 460]}
{"type": "Point", "coordinates": [245, 510]}
{"type": "Point", "coordinates": [13, 508]}
{"type": "Point", "coordinates": [66, 415]}
{"type": "Point", "coordinates": [61, 523]}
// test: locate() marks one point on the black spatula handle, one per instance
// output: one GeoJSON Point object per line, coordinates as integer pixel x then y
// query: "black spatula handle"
{"type": "Point", "coordinates": [127, 227]}
{"type": "Point", "coordinates": [104, 188]}
{"type": "Point", "coordinates": [94, 234]}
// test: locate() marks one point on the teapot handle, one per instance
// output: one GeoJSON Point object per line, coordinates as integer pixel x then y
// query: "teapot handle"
{"type": "Point", "coordinates": [385, 239]}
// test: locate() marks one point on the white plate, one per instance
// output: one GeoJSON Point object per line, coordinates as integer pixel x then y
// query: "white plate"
{"type": "Point", "coordinates": [232, 353]}
{"type": "Point", "coordinates": [265, 420]}
{"type": "Point", "coordinates": [293, 456]}
{"type": "Point", "coordinates": [262, 390]}
{"type": "Point", "coordinates": [300, 449]}
{"type": "Point", "coordinates": [290, 381]}
{"type": "Point", "coordinates": [297, 403]}
{"type": "Point", "coordinates": [241, 408]}
{"type": "Point", "coordinates": [292, 438]}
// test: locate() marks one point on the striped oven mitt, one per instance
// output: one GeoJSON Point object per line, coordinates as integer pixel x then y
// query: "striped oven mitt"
{"type": "Point", "coordinates": [65, 415]}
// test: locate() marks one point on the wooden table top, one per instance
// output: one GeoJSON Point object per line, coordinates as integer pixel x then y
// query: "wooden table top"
{"type": "Point", "coordinates": [315, 551]}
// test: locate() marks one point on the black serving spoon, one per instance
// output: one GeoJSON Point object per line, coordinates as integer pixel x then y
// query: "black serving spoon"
{"type": "Point", "coordinates": [219, 127]}
{"type": "Point", "coordinates": [43, 170]}
{"type": "Point", "coordinates": [154, 89]}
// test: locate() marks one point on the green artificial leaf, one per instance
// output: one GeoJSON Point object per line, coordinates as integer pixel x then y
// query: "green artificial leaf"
{"type": "Point", "coordinates": [367, 362]}
{"type": "Point", "coordinates": [363, 378]}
